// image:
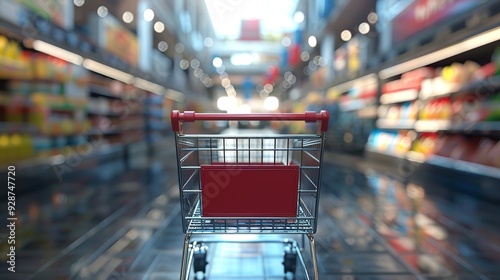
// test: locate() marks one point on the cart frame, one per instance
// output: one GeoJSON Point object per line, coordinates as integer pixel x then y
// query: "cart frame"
{"type": "Point", "coordinates": [210, 165]}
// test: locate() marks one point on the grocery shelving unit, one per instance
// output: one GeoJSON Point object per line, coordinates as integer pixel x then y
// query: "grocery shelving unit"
{"type": "Point", "coordinates": [355, 114]}
{"type": "Point", "coordinates": [401, 111]}
{"type": "Point", "coordinates": [104, 126]}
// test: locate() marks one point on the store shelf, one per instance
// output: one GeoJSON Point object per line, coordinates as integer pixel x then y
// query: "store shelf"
{"type": "Point", "coordinates": [36, 80]}
{"type": "Point", "coordinates": [445, 125]}
{"type": "Point", "coordinates": [103, 113]}
{"type": "Point", "coordinates": [394, 155]}
{"type": "Point", "coordinates": [464, 166]}
{"type": "Point", "coordinates": [356, 104]}
{"type": "Point", "coordinates": [432, 125]}
{"type": "Point", "coordinates": [415, 157]}
{"type": "Point", "coordinates": [445, 162]}
{"type": "Point", "coordinates": [410, 155]}
{"type": "Point", "coordinates": [97, 90]}
{"type": "Point", "coordinates": [58, 159]}
{"type": "Point", "coordinates": [492, 83]}
{"type": "Point", "coordinates": [65, 108]}
{"type": "Point", "coordinates": [399, 97]}
{"type": "Point", "coordinates": [476, 126]}
{"type": "Point", "coordinates": [16, 128]}
{"type": "Point", "coordinates": [395, 124]}
{"type": "Point", "coordinates": [98, 131]}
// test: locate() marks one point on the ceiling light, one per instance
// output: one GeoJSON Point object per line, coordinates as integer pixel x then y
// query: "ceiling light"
{"type": "Point", "coordinates": [184, 64]}
{"type": "Point", "coordinates": [298, 17]}
{"type": "Point", "coordinates": [230, 91]}
{"type": "Point", "coordinates": [79, 3]}
{"type": "Point", "coordinates": [149, 86]}
{"type": "Point", "coordinates": [241, 59]}
{"type": "Point", "coordinates": [312, 65]}
{"type": "Point", "coordinates": [163, 46]}
{"type": "Point", "coordinates": [128, 17]}
{"type": "Point", "coordinates": [226, 103]}
{"type": "Point", "coordinates": [217, 62]}
{"type": "Point", "coordinates": [174, 95]}
{"type": "Point", "coordinates": [179, 47]}
{"type": "Point", "coordinates": [198, 72]}
{"type": "Point", "coordinates": [268, 88]}
{"type": "Point", "coordinates": [208, 84]}
{"type": "Point", "coordinates": [346, 35]}
{"type": "Point", "coordinates": [55, 51]}
{"type": "Point", "coordinates": [221, 69]}
{"type": "Point", "coordinates": [102, 11]}
{"type": "Point", "coordinates": [159, 27]}
{"type": "Point", "coordinates": [286, 41]}
{"type": "Point", "coordinates": [271, 103]}
{"type": "Point", "coordinates": [364, 28]}
{"type": "Point", "coordinates": [195, 63]}
{"type": "Point", "coordinates": [223, 75]}
{"type": "Point", "coordinates": [323, 61]}
{"type": "Point", "coordinates": [203, 76]}
{"type": "Point", "coordinates": [312, 41]}
{"type": "Point", "coordinates": [263, 94]}
{"type": "Point", "coordinates": [149, 15]}
{"type": "Point", "coordinates": [372, 18]}
{"type": "Point", "coordinates": [225, 82]}
{"type": "Point", "coordinates": [304, 56]}
{"type": "Point", "coordinates": [208, 42]}
{"type": "Point", "coordinates": [107, 71]}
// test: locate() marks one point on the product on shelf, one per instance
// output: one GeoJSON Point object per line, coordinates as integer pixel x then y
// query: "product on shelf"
{"type": "Point", "coordinates": [458, 73]}
{"type": "Point", "coordinates": [409, 80]}
{"type": "Point", "coordinates": [473, 108]}
{"type": "Point", "coordinates": [425, 144]}
{"type": "Point", "coordinates": [404, 111]}
{"type": "Point", "coordinates": [437, 109]}
{"type": "Point", "coordinates": [391, 142]}
{"type": "Point", "coordinates": [13, 62]}
{"type": "Point", "coordinates": [15, 147]}
{"type": "Point", "coordinates": [480, 150]}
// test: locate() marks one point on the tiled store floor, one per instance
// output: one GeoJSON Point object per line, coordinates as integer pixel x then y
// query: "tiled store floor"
{"type": "Point", "coordinates": [371, 227]}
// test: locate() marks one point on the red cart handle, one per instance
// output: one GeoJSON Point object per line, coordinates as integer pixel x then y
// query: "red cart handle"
{"type": "Point", "coordinates": [190, 116]}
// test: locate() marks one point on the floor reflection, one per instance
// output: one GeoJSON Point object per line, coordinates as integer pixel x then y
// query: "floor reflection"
{"type": "Point", "coordinates": [372, 226]}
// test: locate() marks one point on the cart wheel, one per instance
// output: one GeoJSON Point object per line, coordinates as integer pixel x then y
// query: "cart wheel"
{"type": "Point", "coordinates": [290, 259]}
{"type": "Point", "coordinates": [200, 258]}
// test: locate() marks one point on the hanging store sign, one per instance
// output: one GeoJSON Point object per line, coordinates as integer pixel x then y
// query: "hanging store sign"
{"type": "Point", "coordinates": [250, 30]}
{"type": "Point", "coordinates": [422, 14]}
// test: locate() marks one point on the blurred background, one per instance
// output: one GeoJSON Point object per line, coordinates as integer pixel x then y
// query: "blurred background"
{"type": "Point", "coordinates": [412, 150]}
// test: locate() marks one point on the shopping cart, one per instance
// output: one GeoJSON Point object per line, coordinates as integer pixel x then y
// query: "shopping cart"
{"type": "Point", "coordinates": [249, 184]}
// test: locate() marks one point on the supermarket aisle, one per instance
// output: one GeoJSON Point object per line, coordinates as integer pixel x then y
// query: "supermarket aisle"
{"type": "Point", "coordinates": [371, 227]}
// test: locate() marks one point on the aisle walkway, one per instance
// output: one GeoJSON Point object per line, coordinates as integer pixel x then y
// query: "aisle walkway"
{"type": "Point", "coordinates": [371, 227]}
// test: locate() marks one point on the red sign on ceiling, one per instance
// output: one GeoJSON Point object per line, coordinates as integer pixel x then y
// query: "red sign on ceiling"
{"type": "Point", "coordinates": [422, 14]}
{"type": "Point", "coordinates": [250, 30]}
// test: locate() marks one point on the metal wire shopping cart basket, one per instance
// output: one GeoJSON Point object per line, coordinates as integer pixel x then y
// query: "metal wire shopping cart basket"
{"type": "Point", "coordinates": [248, 183]}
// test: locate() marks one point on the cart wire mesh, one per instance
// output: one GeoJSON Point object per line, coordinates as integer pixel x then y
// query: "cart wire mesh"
{"type": "Point", "coordinates": [197, 150]}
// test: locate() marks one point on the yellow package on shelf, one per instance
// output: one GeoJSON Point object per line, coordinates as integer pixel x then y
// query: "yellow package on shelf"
{"type": "Point", "coordinates": [12, 62]}
{"type": "Point", "coordinates": [5, 149]}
